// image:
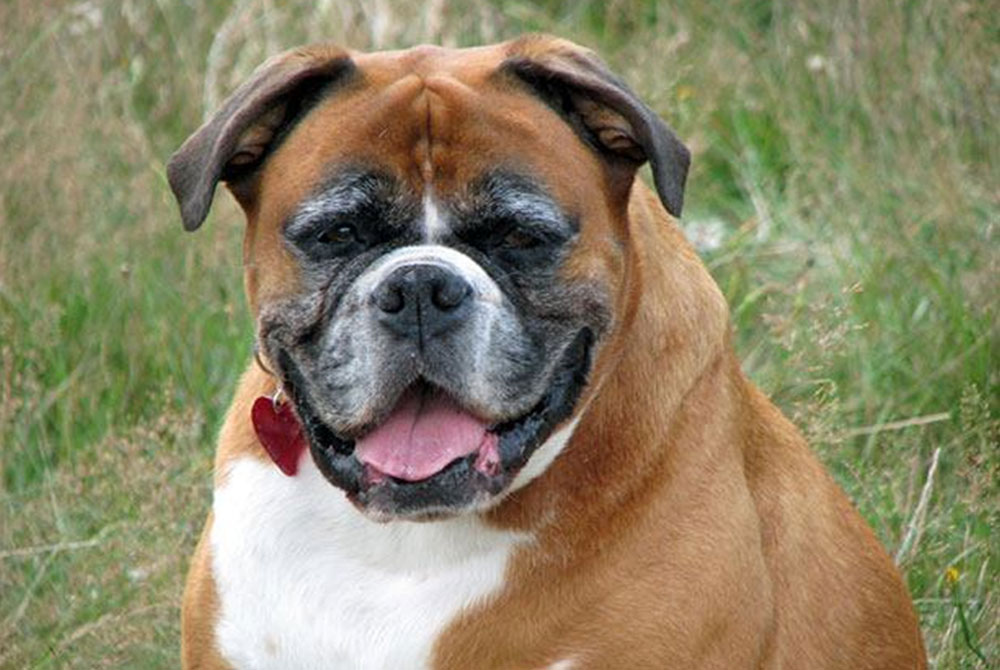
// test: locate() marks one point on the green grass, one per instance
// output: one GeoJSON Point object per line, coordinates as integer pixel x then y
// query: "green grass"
{"type": "Point", "coordinates": [847, 151]}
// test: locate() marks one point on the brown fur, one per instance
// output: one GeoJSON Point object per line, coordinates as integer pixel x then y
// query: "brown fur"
{"type": "Point", "coordinates": [686, 524]}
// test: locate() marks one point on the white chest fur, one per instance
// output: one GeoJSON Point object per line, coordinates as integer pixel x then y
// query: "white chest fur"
{"type": "Point", "coordinates": [305, 581]}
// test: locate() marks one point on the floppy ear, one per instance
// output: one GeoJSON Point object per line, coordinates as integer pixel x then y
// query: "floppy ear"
{"type": "Point", "coordinates": [250, 123]}
{"type": "Point", "coordinates": [603, 109]}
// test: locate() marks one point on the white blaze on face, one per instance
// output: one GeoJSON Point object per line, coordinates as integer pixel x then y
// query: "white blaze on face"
{"type": "Point", "coordinates": [434, 222]}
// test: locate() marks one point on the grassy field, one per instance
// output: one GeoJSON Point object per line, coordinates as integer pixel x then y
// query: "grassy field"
{"type": "Point", "coordinates": [844, 193]}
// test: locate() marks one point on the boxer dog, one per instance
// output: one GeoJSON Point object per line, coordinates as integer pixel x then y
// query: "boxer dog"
{"type": "Point", "coordinates": [495, 419]}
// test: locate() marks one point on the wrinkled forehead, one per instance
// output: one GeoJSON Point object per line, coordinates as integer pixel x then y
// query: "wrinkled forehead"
{"type": "Point", "coordinates": [435, 123]}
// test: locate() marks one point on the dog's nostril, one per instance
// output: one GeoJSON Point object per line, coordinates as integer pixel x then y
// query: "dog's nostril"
{"type": "Point", "coordinates": [450, 292]}
{"type": "Point", "coordinates": [390, 299]}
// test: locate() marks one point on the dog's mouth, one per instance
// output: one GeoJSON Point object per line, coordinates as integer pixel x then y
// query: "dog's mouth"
{"type": "Point", "coordinates": [425, 432]}
{"type": "Point", "coordinates": [432, 457]}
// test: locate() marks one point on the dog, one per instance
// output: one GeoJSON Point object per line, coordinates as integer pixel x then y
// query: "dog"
{"type": "Point", "coordinates": [494, 419]}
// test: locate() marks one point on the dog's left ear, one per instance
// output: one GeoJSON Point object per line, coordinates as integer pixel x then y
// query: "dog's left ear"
{"type": "Point", "coordinates": [594, 100]}
{"type": "Point", "coordinates": [241, 134]}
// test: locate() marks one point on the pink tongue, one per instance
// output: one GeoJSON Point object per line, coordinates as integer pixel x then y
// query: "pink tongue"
{"type": "Point", "coordinates": [424, 433]}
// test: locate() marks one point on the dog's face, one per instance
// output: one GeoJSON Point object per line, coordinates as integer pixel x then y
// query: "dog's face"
{"type": "Point", "coordinates": [437, 248]}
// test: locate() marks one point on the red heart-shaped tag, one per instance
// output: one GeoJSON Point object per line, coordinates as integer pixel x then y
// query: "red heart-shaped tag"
{"type": "Point", "coordinates": [280, 432]}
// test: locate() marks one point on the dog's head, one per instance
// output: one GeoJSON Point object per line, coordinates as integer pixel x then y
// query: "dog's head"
{"type": "Point", "coordinates": [437, 250]}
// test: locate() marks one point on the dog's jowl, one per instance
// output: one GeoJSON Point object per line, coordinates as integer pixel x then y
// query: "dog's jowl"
{"type": "Point", "coordinates": [494, 419]}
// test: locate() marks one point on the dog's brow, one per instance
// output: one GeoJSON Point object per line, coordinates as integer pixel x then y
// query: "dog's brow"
{"type": "Point", "coordinates": [527, 205]}
{"type": "Point", "coordinates": [510, 196]}
{"type": "Point", "coordinates": [341, 198]}
{"type": "Point", "coordinates": [343, 195]}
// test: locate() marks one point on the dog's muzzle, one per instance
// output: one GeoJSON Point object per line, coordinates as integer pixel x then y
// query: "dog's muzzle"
{"type": "Point", "coordinates": [424, 391]}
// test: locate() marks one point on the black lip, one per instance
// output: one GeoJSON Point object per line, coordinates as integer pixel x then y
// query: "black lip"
{"type": "Point", "coordinates": [459, 484]}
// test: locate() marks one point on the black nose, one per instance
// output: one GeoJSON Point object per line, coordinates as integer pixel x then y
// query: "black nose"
{"type": "Point", "coordinates": [422, 301]}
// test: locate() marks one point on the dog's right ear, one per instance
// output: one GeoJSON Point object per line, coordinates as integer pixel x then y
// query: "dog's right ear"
{"type": "Point", "coordinates": [250, 123]}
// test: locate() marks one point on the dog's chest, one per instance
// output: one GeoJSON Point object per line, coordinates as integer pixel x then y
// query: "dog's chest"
{"type": "Point", "coordinates": [304, 581]}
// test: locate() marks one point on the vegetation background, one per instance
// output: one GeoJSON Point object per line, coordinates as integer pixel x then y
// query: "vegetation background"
{"type": "Point", "coordinates": [844, 193]}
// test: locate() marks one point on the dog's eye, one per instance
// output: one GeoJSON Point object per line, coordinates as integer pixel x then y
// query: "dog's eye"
{"type": "Point", "coordinates": [519, 240]}
{"type": "Point", "coordinates": [337, 235]}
